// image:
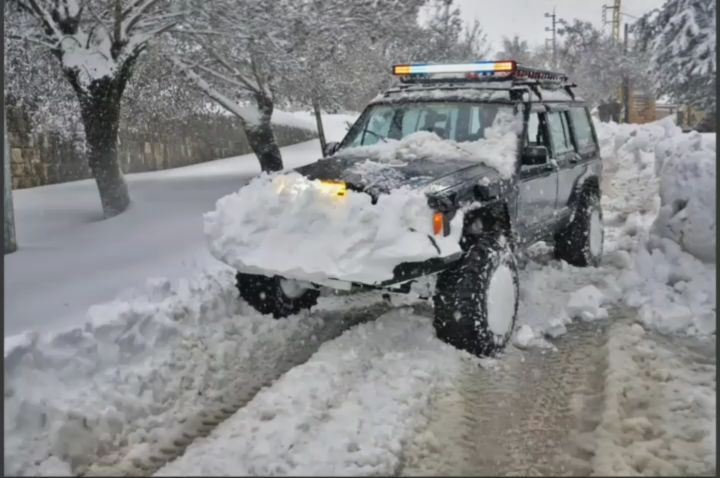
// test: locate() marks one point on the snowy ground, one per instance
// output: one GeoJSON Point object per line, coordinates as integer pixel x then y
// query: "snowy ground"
{"type": "Point", "coordinates": [69, 258]}
{"type": "Point", "coordinates": [180, 377]}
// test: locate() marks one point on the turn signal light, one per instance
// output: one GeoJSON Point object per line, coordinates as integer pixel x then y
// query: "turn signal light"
{"type": "Point", "coordinates": [439, 224]}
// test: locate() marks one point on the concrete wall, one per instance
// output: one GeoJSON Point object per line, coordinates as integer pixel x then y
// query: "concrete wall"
{"type": "Point", "coordinates": [47, 158]}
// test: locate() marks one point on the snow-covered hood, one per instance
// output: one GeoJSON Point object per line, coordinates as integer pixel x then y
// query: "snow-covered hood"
{"type": "Point", "coordinates": [422, 159]}
{"type": "Point", "coordinates": [373, 177]}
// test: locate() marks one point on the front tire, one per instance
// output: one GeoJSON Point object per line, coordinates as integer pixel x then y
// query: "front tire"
{"type": "Point", "coordinates": [476, 300]}
{"type": "Point", "coordinates": [268, 296]}
{"type": "Point", "coordinates": [580, 243]}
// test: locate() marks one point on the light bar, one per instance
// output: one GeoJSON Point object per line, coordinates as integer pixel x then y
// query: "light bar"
{"type": "Point", "coordinates": [480, 67]}
{"type": "Point", "coordinates": [482, 70]}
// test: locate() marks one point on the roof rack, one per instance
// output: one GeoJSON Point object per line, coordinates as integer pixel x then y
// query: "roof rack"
{"type": "Point", "coordinates": [480, 71]}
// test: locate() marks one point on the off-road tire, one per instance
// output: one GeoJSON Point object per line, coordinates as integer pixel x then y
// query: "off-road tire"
{"type": "Point", "coordinates": [462, 300]}
{"type": "Point", "coordinates": [266, 295]}
{"type": "Point", "coordinates": [573, 244]}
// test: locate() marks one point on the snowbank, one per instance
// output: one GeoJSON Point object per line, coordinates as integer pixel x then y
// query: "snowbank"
{"type": "Point", "coordinates": [146, 364]}
{"type": "Point", "coordinates": [687, 193]}
{"type": "Point", "coordinates": [295, 227]}
{"type": "Point", "coordinates": [660, 195]}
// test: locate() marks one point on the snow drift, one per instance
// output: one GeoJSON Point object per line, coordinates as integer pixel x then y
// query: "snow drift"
{"type": "Point", "coordinates": [687, 194]}
{"type": "Point", "coordinates": [144, 365]}
{"type": "Point", "coordinates": [660, 190]}
{"type": "Point", "coordinates": [298, 228]}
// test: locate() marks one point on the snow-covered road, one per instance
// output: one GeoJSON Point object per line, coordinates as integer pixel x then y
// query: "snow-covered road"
{"type": "Point", "coordinates": [181, 377]}
{"type": "Point", "coordinates": [69, 258]}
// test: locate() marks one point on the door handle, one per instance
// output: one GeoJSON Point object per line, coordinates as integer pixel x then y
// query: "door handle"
{"type": "Point", "coordinates": [575, 158]}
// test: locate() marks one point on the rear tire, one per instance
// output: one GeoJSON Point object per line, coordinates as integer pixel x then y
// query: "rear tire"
{"type": "Point", "coordinates": [266, 295]}
{"type": "Point", "coordinates": [476, 300]}
{"type": "Point", "coordinates": [580, 243]}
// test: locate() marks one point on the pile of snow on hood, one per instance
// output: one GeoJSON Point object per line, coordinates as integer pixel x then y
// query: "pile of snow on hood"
{"type": "Point", "coordinates": [292, 226]}
{"type": "Point", "coordinates": [498, 150]}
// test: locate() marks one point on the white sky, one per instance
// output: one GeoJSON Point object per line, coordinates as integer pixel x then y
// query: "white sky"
{"type": "Point", "coordinates": [526, 18]}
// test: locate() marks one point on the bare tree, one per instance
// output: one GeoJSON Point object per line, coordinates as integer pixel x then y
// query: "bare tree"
{"type": "Point", "coordinates": [97, 43]}
{"type": "Point", "coordinates": [229, 50]}
{"type": "Point", "coordinates": [447, 39]}
{"type": "Point", "coordinates": [326, 36]}
{"type": "Point", "coordinates": [514, 49]}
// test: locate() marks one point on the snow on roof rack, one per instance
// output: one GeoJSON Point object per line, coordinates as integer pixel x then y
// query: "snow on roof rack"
{"type": "Point", "coordinates": [479, 71]}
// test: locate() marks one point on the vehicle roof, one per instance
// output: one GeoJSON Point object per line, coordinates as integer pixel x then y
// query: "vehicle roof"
{"type": "Point", "coordinates": [479, 91]}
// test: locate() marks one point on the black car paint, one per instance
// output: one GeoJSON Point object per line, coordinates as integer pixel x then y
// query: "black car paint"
{"type": "Point", "coordinates": [456, 184]}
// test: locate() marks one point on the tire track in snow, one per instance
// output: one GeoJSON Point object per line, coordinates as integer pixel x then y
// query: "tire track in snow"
{"type": "Point", "coordinates": [266, 364]}
{"type": "Point", "coordinates": [524, 414]}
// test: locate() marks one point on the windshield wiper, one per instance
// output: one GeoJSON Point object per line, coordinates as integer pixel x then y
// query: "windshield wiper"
{"type": "Point", "coordinates": [384, 140]}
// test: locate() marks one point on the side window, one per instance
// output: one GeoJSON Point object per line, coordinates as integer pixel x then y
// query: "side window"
{"type": "Point", "coordinates": [582, 129]}
{"type": "Point", "coordinates": [559, 133]}
{"type": "Point", "coordinates": [535, 131]}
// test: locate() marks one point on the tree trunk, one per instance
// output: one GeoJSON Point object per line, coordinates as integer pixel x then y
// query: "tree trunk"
{"type": "Point", "coordinates": [261, 137]}
{"type": "Point", "coordinates": [101, 119]}
{"type": "Point", "coordinates": [320, 129]}
{"type": "Point", "coordinates": [9, 218]}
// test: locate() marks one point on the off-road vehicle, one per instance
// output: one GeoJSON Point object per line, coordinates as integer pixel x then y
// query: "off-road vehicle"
{"type": "Point", "coordinates": [552, 192]}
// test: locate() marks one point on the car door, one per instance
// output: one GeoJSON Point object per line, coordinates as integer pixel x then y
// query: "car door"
{"type": "Point", "coordinates": [564, 154]}
{"type": "Point", "coordinates": [537, 192]}
{"type": "Point", "coordinates": [586, 150]}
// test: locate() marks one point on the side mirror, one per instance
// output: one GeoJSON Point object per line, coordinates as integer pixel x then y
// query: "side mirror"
{"type": "Point", "coordinates": [533, 155]}
{"type": "Point", "coordinates": [330, 148]}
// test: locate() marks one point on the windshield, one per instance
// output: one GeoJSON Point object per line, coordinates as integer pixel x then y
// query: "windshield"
{"type": "Point", "coordinates": [455, 121]}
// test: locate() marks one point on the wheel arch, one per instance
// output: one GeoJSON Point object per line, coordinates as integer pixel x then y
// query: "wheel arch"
{"type": "Point", "coordinates": [494, 216]}
{"type": "Point", "coordinates": [585, 183]}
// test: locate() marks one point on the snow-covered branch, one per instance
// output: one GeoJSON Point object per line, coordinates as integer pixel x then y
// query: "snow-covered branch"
{"type": "Point", "coordinates": [247, 115]}
{"type": "Point", "coordinates": [95, 39]}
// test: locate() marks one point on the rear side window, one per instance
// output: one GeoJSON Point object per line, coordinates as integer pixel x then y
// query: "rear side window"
{"type": "Point", "coordinates": [559, 133]}
{"type": "Point", "coordinates": [582, 128]}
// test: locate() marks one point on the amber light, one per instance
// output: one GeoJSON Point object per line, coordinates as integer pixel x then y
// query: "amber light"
{"type": "Point", "coordinates": [438, 224]}
{"type": "Point", "coordinates": [334, 188]}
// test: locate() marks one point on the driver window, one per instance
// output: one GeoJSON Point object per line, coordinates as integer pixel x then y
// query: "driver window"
{"type": "Point", "coordinates": [535, 132]}
{"type": "Point", "coordinates": [535, 136]}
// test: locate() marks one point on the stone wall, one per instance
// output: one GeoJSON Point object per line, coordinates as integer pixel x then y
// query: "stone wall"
{"type": "Point", "coordinates": [47, 158]}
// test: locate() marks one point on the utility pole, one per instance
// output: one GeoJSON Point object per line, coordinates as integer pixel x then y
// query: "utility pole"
{"type": "Point", "coordinates": [615, 36]}
{"type": "Point", "coordinates": [615, 22]}
{"type": "Point", "coordinates": [553, 30]}
{"type": "Point", "coordinates": [626, 82]}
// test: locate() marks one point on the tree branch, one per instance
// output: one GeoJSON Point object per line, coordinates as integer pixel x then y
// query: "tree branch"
{"type": "Point", "coordinates": [46, 18]}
